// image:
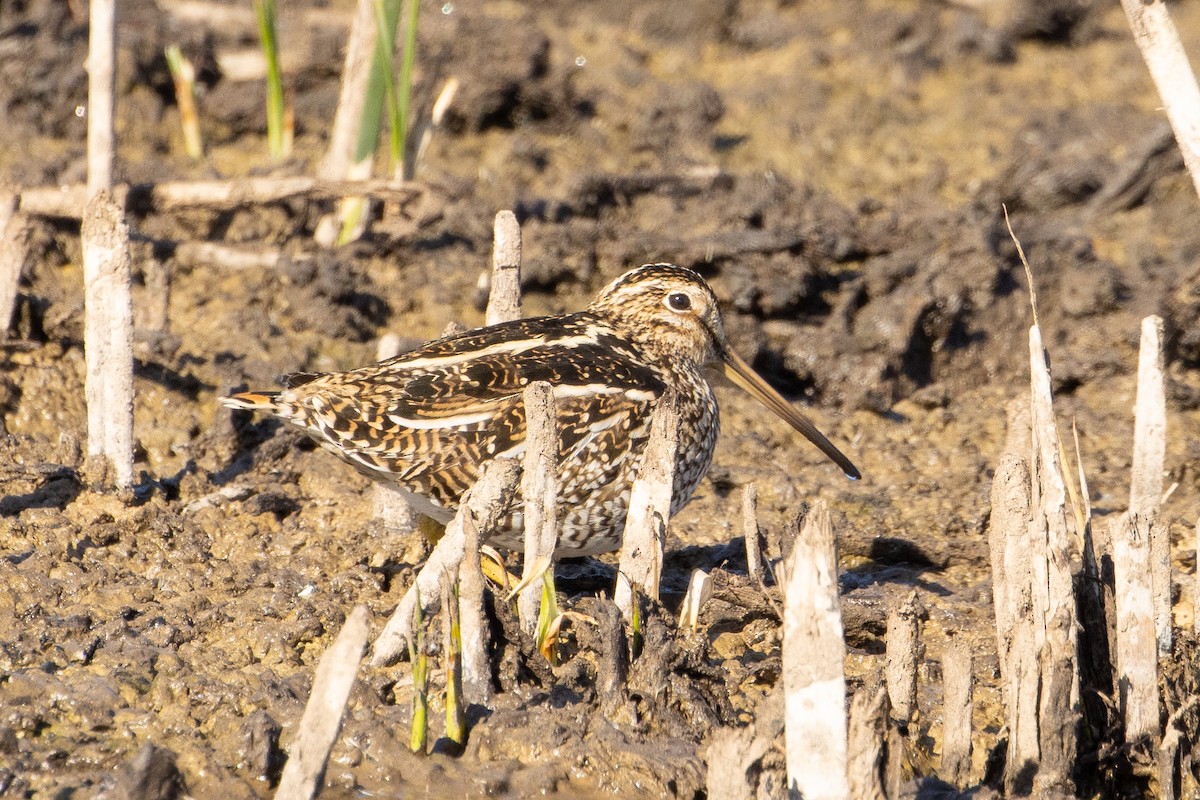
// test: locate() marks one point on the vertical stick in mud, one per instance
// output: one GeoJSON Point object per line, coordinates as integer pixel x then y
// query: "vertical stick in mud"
{"type": "Point", "coordinates": [814, 681]}
{"type": "Point", "coordinates": [102, 71]}
{"type": "Point", "coordinates": [1137, 662]}
{"type": "Point", "coordinates": [476, 670]}
{"type": "Point", "coordinates": [958, 684]}
{"type": "Point", "coordinates": [754, 564]}
{"type": "Point", "coordinates": [14, 246]}
{"type": "Point", "coordinates": [504, 298]}
{"type": "Point", "coordinates": [867, 730]}
{"type": "Point", "coordinates": [641, 558]}
{"type": "Point", "coordinates": [322, 717]}
{"type": "Point", "coordinates": [903, 655]}
{"type": "Point", "coordinates": [539, 486]}
{"type": "Point", "coordinates": [108, 338]}
{"type": "Point", "coordinates": [1146, 487]}
{"type": "Point", "coordinates": [1058, 706]}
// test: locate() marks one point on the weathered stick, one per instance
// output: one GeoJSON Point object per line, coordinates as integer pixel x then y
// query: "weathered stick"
{"type": "Point", "coordinates": [957, 692]}
{"type": "Point", "coordinates": [108, 338]}
{"type": "Point", "coordinates": [539, 486]}
{"type": "Point", "coordinates": [1137, 662]}
{"type": "Point", "coordinates": [487, 501]}
{"type": "Point", "coordinates": [102, 72]}
{"type": "Point", "coordinates": [323, 714]}
{"type": "Point", "coordinates": [1058, 706]}
{"type": "Point", "coordinates": [641, 558]}
{"type": "Point", "coordinates": [1158, 40]}
{"type": "Point", "coordinates": [867, 732]}
{"type": "Point", "coordinates": [1196, 587]}
{"type": "Point", "coordinates": [68, 202]}
{"type": "Point", "coordinates": [1146, 486]}
{"type": "Point", "coordinates": [356, 70]}
{"type": "Point", "coordinates": [504, 297]}
{"type": "Point", "coordinates": [814, 680]}
{"type": "Point", "coordinates": [14, 248]}
{"type": "Point", "coordinates": [476, 669]}
{"type": "Point", "coordinates": [903, 655]}
{"type": "Point", "coordinates": [750, 530]}
{"type": "Point", "coordinates": [698, 592]}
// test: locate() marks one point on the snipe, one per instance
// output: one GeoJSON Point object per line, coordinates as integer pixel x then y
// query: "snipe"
{"type": "Point", "coordinates": [427, 420]}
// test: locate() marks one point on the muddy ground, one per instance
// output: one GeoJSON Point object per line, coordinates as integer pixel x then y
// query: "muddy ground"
{"type": "Point", "coordinates": [837, 170]}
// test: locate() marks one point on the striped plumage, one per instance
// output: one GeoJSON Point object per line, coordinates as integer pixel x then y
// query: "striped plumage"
{"type": "Point", "coordinates": [428, 419]}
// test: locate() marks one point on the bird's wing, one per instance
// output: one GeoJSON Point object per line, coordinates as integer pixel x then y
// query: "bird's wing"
{"type": "Point", "coordinates": [432, 417]}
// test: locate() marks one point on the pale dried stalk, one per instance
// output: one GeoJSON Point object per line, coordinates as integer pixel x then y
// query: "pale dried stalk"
{"type": "Point", "coordinates": [1137, 662]}
{"type": "Point", "coordinates": [68, 202]}
{"type": "Point", "coordinates": [539, 486]}
{"type": "Point", "coordinates": [867, 731]}
{"type": "Point", "coordinates": [356, 70]}
{"type": "Point", "coordinates": [754, 564]}
{"type": "Point", "coordinates": [958, 691]}
{"type": "Point", "coordinates": [1058, 706]}
{"type": "Point", "coordinates": [504, 297]}
{"type": "Point", "coordinates": [698, 592]}
{"type": "Point", "coordinates": [487, 501]}
{"type": "Point", "coordinates": [641, 558]}
{"type": "Point", "coordinates": [1158, 40]}
{"type": "Point", "coordinates": [102, 71]}
{"type": "Point", "coordinates": [473, 626]}
{"type": "Point", "coordinates": [903, 655]}
{"type": "Point", "coordinates": [108, 337]}
{"type": "Point", "coordinates": [322, 717]}
{"type": "Point", "coordinates": [814, 681]}
{"type": "Point", "coordinates": [14, 250]}
{"type": "Point", "coordinates": [1146, 486]}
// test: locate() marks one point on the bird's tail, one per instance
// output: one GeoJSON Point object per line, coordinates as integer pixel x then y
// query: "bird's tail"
{"type": "Point", "coordinates": [251, 401]}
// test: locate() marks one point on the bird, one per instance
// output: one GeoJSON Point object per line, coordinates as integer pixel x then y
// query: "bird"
{"type": "Point", "coordinates": [428, 420]}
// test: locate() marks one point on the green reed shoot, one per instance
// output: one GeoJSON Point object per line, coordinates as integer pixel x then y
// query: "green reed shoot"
{"type": "Point", "coordinates": [420, 662]}
{"type": "Point", "coordinates": [184, 76]}
{"type": "Point", "coordinates": [456, 718]}
{"type": "Point", "coordinates": [549, 619]}
{"type": "Point", "coordinates": [278, 137]}
{"type": "Point", "coordinates": [635, 621]}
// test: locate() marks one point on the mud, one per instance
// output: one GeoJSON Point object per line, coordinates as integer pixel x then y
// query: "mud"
{"type": "Point", "coordinates": [837, 170]}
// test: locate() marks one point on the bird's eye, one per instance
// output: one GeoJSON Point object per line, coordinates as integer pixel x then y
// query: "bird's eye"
{"type": "Point", "coordinates": [678, 301]}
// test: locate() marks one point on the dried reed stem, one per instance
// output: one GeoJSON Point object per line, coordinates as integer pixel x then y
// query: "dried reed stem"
{"type": "Point", "coordinates": [1058, 706]}
{"type": "Point", "coordinates": [102, 71]}
{"type": "Point", "coordinates": [903, 655]}
{"type": "Point", "coordinates": [486, 501]}
{"type": "Point", "coordinates": [476, 669]}
{"type": "Point", "coordinates": [814, 651]}
{"type": "Point", "coordinates": [1158, 40]}
{"type": "Point", "coordinates": [504, 298]}
{"type": "Point", "coordinates": [322, 717]}
{"type": "Point", "coordinates": [1146, 486]}
{"type": "Point", "coordinates": [539, 486]}
{"type": "Point", "coordinates": [867, 732]}
{"type": "Point", "coordinates": [641, 558]}
{"type": "Point", "coordinates": [1137, 662]}
{"type": "Point", "coordinates": [14, 250]}
{"type": "Point", "coordinates": [68, 202]}
{"type": "Point", "coordinates": [751, 533]}
{"type": "Point", "coordinates": [108, 338]}
{"type": "Point", "coordinates": [958, 686]}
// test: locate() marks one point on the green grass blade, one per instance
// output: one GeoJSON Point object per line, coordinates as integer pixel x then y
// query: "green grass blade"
{"type": "Point", "coordinates": [265, 12]}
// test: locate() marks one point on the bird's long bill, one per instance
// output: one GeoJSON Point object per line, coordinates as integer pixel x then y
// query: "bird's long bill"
{"type": "Point", "coordinates": [746, 378]}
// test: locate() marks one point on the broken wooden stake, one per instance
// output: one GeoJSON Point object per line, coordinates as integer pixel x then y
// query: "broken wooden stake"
{"type": "Point", "coordinates": [751, 533]}
{"type": "Point", "coordinates": [814, 651]}
{"type": "Point", "coordinates": [504, 296]}
{"type": "Point", "coordinates": [1137, 662]}
{"type": "Point", "coordinates": [641, 558]}
{"type": "Point", "coordinates": [539, 486]}
{"type": "Point", "coordinates": [958, 686]}
{"type": "Point", "coordinates": [904, 655]}
{"type": "Point", "coordinates": [322, 717]}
